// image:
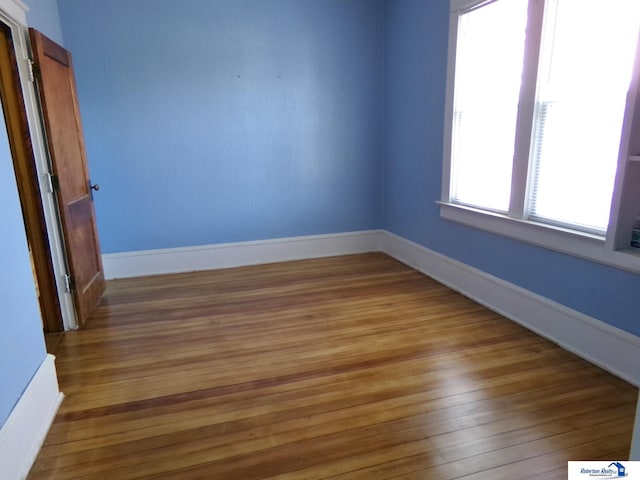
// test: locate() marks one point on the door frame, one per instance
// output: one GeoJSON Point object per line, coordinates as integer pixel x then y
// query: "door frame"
{"type": "Point", "coordinates": [13, 15]}
{"type": "Point", "coordinates": [21, 152]}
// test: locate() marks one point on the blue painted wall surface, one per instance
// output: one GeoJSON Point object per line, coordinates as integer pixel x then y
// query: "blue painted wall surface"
{"type": "Point", "coordinates": [43, 15]}
{"type": "Point", "coordinates": [415, 77]}
{"type": "Point", "coordinates": [229, 120]}
{"type": "Point", "coordinates": [22, 348]}
{"type": "Point", "coordinates": [235, 120]}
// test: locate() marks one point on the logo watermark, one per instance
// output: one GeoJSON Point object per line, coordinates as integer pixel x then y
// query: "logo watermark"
{"type": "Point", "coordinates": [602, 470]}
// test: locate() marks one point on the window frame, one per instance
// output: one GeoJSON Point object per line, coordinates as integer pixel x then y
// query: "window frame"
{"type": "Point", "coordinates": [515, 223]}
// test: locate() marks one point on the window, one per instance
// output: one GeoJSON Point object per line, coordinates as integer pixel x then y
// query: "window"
{"type": "Point", "coordinates": [487, 88]}
{"type": "Point", "coordinates": [537, 91]}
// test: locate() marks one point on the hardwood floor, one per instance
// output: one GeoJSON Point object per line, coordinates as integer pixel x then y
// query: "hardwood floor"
{"type": "Point", "coordinates": [352, 367]}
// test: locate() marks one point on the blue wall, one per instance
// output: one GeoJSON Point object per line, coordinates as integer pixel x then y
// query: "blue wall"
{"type": "Point", "coordinates": [235, 120]}
{"type": "Point", "coordinates": [229, 120]}
{"type": "Point", "coordinates": [43, 15]}
{"type": "Point", "coordinates": [22, 347]}
{"type": "Point", "coordinates": [415, 67]}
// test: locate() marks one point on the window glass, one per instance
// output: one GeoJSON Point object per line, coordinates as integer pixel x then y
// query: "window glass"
{"type": "Point", "coordinates": [585, 68]}
{"type": "Point", "coordinates": [488, 71]}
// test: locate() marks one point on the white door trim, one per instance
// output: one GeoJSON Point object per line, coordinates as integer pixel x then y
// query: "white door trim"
{"type": "Point", "coordinates": [13, 14]}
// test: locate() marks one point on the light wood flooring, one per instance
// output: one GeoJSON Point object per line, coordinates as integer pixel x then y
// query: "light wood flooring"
{"type": "Point", "coordinates": [352, 367]}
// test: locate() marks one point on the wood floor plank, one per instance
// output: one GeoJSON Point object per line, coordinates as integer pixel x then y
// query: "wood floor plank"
{"type": "Point", "coordinates": [353, 367]}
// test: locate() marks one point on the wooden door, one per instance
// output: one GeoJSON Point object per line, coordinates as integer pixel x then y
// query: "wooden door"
{"type": "Point", "coordinates": [53, 72]}
{"type": "Point", "coordinates": [27, 181]}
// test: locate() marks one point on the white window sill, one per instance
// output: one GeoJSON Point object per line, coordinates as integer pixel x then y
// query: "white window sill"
{"type": "Point", "coordinates": [578, 244]}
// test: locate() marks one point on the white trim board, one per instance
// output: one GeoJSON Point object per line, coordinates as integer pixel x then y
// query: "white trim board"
{"type": "Point", "coordinates": [608, 347]}
{"type": "Point", "coordinates": [16, 10]}
{"type": "Point", "coordinates": [26, 428]}
{"type": "Point", "coordinates": [227, 255]}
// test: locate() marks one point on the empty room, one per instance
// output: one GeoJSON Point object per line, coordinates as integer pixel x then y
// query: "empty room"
{"type": "Point", "coordinates": [320, 239]}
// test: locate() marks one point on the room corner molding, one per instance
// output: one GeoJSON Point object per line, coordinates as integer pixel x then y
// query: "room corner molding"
{"type": "Point", "coordinates": [24, 431]}
{"type": "Point", "coordinates": [611, 348]}
{"type": "Point", "coordinates": [227, 255]}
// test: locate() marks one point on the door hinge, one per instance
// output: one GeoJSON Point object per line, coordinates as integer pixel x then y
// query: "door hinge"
{"type": "Point", "coordinates": [54, 183]}
{"type": "Point", "coordinates": [34, 71]}
{"type": "Point", "coordinates": [69, 283]}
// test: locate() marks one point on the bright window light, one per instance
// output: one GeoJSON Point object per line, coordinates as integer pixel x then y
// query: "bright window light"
{"type": "Point", "coordinates": [488, 71]}
{"type": "Point", "coordinates": [587, 55]}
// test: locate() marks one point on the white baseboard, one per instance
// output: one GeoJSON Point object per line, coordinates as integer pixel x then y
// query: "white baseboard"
{"type": "Point", "coordinates": [227, 255]}
{"type": "Point", "coordinates": [609, 347]}
{"type": "Point", "coordinates": [26, 428]}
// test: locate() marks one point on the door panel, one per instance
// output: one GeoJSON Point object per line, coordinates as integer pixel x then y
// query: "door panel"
{"type": "Point", "coordinates": [56, 85]}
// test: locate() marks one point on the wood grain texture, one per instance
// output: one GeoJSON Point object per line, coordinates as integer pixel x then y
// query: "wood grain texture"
{"type": "Point", "coordinates": [65, 140]}
{"type": "Point", "coordinates": [353, 367]}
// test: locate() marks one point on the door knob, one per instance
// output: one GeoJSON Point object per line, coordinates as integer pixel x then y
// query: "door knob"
{"type": "Point", "coordinates": [95, 187]}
